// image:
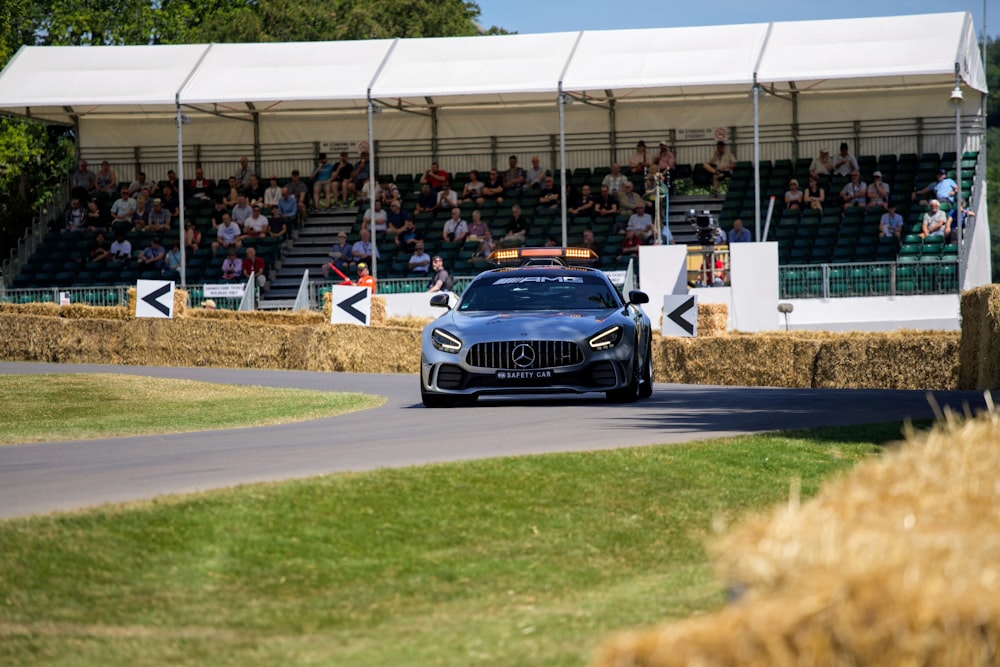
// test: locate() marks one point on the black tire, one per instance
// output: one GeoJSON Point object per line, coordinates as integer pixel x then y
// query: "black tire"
{"type": "Point", "coordinates": [646, 383]}
{"type": "Point", "coordinates": [442, 400]}
{"type": "Point", "coordinates": [630, 392]}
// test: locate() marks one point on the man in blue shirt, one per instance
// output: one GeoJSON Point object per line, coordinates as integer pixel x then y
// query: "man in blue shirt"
{"type": "Point", "coordinates": [944, 189]}
{"type": "Point", "coordinates": [891, 223]}
{"type": "Point", "coordinates": [322, 179]}
{"type": "Point", "coordinates": [739, 233]}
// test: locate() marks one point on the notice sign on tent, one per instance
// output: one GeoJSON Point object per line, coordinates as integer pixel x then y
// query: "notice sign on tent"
{"type": "Point", "coordinates": [154, 298]}
{"type": "Point", "coordinates": [680, 315]}
{"type": "Point", "coordinates": [351, 305]}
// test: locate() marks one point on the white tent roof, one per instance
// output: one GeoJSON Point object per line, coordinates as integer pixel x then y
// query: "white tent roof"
{"type": "Point", "coordinates": [61, 83]}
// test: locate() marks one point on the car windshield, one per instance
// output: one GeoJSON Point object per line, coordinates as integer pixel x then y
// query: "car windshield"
{"type": "Point", "coordinates": [530, 292]}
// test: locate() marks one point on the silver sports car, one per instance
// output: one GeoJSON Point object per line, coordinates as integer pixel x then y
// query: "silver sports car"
{"type": "Point", "coordinates": [544, 326]}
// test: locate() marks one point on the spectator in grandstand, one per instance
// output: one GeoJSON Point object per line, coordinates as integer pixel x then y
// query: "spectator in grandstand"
{"type": "Point", "coordinates": [141, 214]}
{"type": "Point", "coordinates": [653, 184]}
{"type": "Point", "coordinates": [666, 161]}
{"type": "Point", "coordinates": [159, 218]}
{"type": "Point", "coordinates": [199, 187]}
{"type": "Point", "coordinates": [322, 180]}
{"type": "Point", "coordinates": [340, 180]}
{"type": "Point", "coordinates": [720, 165]}
{"type": "Point", "coordinates": [407, 235]}
{"type": "Point", "coordinates": [486, 246]}
{"type": "Point", "coordinates": [845, 163]}
{"type": "Point", "coordinates": [516, 228]}
{"type": "Point", "coordinates": [581, 205]}
{"type": "Point", "coordinates": [419, 263]}
{"type": "Point", "coordinates": [605, 203]}
{"type": "Point", "coordinates": [362, 249]}
{"type": "Point", "coordinates": [122, 209]}
{"type": "Point", "coordinates": [365, 279]}
{"type": "Point", "coordinates": [172, 260]}
{"type": "Point", "coordinates": [170, 202]}
{"type": "Point", "coordinates": [96, 218]}
{"type": "Point", "coordinates": [891, 223]}
{"type": "Point", "coordinates": [426, 200]}
{"type": "Point", "coordinates": [105, 183]}
{"type": "Point", "coordinates": [878, 191]}
{"type": "Point", "coordinates": [493, 187]}
{"type": "Point", "coordinates": [192, 237]}
{"type": "Point", "coordinates": [514, 177]}
{"type": "Point", "coordinates": [628, 200]}
{"type": "Point", "coordinates": [591, 243]}
{"type": "Point", "coordinates": [447, 198]}
{"type": "Point", "coordinates": [477, 228]}
{"type": "Point", "coordinates": [388, 191]}
{"type": "Point", "coordinates": [615, 179]}
{"type": "Point", "coordinates": [436, 177]}
{"type": "Point", "coordinates": [299, 191]}
{"type": "Point", "coordinates": [855, 192]}
{"type": "Point", "coordinates": [256, 226]}
{"type": "Point", "coordinates": [339, 256]}
{"type": "Point", "coordinates": [793, 196]}
{"type": "Point", "coordinates": [244, 172]}
{"type": "Point", "coordinates": [121, 249]}
{"type": "Point", "coordinates": [171, 180]}
{"type": "Point", "coordinates": [233, 193]}
{"type": "Point", "coordinates": [365, 194]}
{"type": "Point", "coordinates": [473, 190]}
{"type": "Point", "coordinates": [396, 217]}
{"type": "Point", "coordinates": [739, 233]}
{"type": "Point", "coordinates": [232, 266]}
{"type": "Point", "coordinates": [241, 211]}
{"type": "Point", "coordinates": [359, 174]}
{"type": "Point", "coordinates": [959, 216]}
{"type": "Point", "coordinates": [217, 213]}
{"type": "Point", "coordinates": [936, 222]}
{"type": "Point", "coordinates": [822, 164]}
{"type": "Point", "coordinates": [641, 222]}
{"type": "Point", "coordinates": [227, 236]}
{"type": "Point", "coordinates": [944, 189]}
{"type": "Point", "coordinates": [153, 256]}
{"type": "Point", "coordinates": [630, 246]}
{"type": "Point", "coordinates": [455, 229]}
{"type": "Point", "coordinates": [255, 265]}
{"type": "Point", "coordinates": [441, 280]}
{"type": "Point", "coordinates": [76, 217]}
{"type": "Point", "coordinates": [140, 182]}
{"type": "Point", "coordinates": [272, 194]}
{"type": "Point", "coordinates": [83, 182]}
{"type": "Point", "coordinates": [287, 209]}
{"type": "Point", "coordinates": [277, 227]}
{"type": "Point", "coordinates": [639, 160]}
{"type": "Point", "coordinates": [380, 217]}
{"type": "Point", "coordinates": [548, 196]}
{"type": "Point", "coordinates": [814, 195]}
{"type": "Point", "coordinates": [535, 175]}
{"type": "Point", "coordinates": [100, 251]}
{"type": "Point", "coordinates": [708, 277]}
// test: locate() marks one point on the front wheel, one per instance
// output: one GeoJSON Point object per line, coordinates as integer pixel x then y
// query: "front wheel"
{"type": "Point", "coordinates": [630, 392]}
{"type": "Point", "coordinates": [646, 385]}
{"type": "Point", "coordinates": [431, 400]}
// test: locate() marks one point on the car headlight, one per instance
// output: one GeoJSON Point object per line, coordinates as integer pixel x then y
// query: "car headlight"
{"type": "Point", "coordinates": [446, 342]}
{"type": "Point", "coordinates": [607, 339]}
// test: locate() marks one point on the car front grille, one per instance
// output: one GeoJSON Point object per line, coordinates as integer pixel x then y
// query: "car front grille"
{"type": "Point", "coordinates": [524, 354]}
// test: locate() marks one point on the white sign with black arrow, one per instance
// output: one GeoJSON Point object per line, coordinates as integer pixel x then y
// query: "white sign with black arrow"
{"type": "Point", "coordinates": [680, 315]}
{"type": "Point", "coordinates": [351, 305]}
{"type": "Point", "coordinates": [154, 298]}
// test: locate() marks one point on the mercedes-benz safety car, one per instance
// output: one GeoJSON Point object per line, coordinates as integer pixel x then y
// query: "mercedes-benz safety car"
{"type": "Point", "coordinates": [542, 325]}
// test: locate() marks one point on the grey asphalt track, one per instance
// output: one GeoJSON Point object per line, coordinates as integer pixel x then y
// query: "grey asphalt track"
{"type": "Point", "coordinates": [56, 476]}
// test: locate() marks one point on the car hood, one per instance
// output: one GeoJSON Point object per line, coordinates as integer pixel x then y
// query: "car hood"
{"type": "Point", "coordinates": [549, 324]}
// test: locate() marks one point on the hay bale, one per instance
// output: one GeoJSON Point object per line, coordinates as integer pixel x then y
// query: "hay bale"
{"type": "Point", "coordinates": [893, 563]}
{"type": "Point", "coordinates": [738, 359]}
{"type": "Point", "coordinates": [713, 319]}
{"type": "Point", "coordinates": [351, 349]}
{"type": "Point", "coordinates": [979, 351]}
{"type": "Point", "coordinates": [888, 360]}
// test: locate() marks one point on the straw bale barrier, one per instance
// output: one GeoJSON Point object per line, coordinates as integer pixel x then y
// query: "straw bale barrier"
{"type": "Point", "coordinates": [979, 359]}
{"type": "Point", "coordinates": [713, 319]}
{"type": "Point", "coordinates": [894, 563]}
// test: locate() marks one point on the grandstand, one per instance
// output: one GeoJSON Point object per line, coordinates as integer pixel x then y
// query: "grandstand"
{"type": "Point", "coordinates": [887, 97]}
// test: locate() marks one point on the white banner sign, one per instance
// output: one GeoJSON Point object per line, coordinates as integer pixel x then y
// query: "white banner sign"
{"type": "Point", "coordinates": [233, 290]}
{"type": "Point", "coordinates": [350, 305]}
{"type": "Point", "coordinates": [154, 298]}
{"type": "Point", "coordinates": [680, 315]}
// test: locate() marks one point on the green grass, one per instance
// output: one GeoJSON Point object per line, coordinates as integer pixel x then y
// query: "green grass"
{"type": "Point", "coordinates": [39, 408]}
{"type": "Point", "coordinates": [517, 561]}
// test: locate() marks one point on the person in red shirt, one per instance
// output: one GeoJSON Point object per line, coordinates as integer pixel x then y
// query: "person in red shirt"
{"type": "Point", "coordinates": [436, 177]}
{"type": "Point", "coordinates": [254, 264]}
{"type": "Point", "coordinates": [365, 279]}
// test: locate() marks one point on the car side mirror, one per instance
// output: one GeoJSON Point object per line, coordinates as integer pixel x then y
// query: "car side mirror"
{"type": "Point", "coordinates": [440, 301]}
{"type": "Point", "coordinates": [637, 297]}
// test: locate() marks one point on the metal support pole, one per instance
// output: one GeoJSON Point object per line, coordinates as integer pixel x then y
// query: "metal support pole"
{"type": "Point", "coordinates": [956, 100]}
{"type": "Point", "coordinates": [180, 191]}
{"type": "Point", "coordinates": [756, 159]}
{"type": "Point", "coordinates": [371, 186]}
{"type": "Point", "coordinates": [562, 165]}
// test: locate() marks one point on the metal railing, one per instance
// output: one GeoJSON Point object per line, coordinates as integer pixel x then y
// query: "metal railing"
{"type": "Point", "coordinates": [831, 281]}
{"type": "Point", "coordinates": [116, 295]}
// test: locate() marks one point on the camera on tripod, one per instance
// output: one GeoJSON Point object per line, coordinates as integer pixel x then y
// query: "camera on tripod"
{"type": "Point", "coordinates": [705, 226]}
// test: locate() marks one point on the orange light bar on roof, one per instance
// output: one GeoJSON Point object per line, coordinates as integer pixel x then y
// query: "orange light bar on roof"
{"type": "Point", "coordinates": [515, 254]}
{"type": "Point", "coordinates": [541, 252]}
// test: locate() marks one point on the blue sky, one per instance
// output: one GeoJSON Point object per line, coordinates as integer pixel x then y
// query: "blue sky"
{"type": "Point", "coordinates": [533, 16]}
